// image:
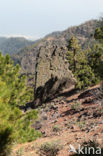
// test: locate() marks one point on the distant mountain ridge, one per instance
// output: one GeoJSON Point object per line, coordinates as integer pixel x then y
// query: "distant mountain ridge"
{"type": "Point", "coordinates": [13, 45]}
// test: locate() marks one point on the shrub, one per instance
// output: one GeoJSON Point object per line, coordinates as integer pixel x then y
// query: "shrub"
{"type": "Point", "coordinates": [56, 128]}
{"type": "Point", "coordinates": [20, 151]}
{"type": "Point", "coordinates": [81, 124]}
{"type": "Point", "coordinates": [50, 148]}
{"type": "Point", "coordinates": [76, 105]}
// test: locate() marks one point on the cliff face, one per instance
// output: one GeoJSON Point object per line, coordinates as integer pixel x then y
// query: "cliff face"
{"type": "Point", "coordinates": [51, 63]}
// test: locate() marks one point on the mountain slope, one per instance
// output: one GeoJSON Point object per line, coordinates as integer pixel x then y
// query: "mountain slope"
{"type": "Point", "coordinates": [13, 45]}
{"type": "Point", "coordinates": [27, 56]}
{"type": "Point", "coordinates": [59, 122]}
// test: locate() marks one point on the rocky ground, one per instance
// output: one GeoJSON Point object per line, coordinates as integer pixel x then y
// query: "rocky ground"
{"type": "Point", "coordinates": [71, 118]}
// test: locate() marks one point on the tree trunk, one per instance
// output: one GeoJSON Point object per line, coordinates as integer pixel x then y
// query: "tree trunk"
{"type": "Point", "coordinates": [74, 60]}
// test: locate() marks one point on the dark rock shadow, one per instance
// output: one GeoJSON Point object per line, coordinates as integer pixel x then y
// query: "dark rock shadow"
{"type": "Point", "coordinates": [51, 90]}
{"type": "Point", "coordinates": [70, 101]}
{"type": "Point", "coordinates": [88, 93]}
{"type": "Point", "coordinates": [69, 93]}
{"type": "Point", "coordinates": [70, 112]}
{"type": "Point", "coordinates": [88, 101]}
{"type": "Point", "coordinates": [27, 106]}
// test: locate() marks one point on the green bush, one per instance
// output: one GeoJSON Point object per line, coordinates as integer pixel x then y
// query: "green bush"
{"type": "Point", "coordinates": [20, 151]}
{"type": "Point", "coordinates": [81, 124]}
{"type": "Point", "coordinates": [76, 105]}
{"type": "Point", "coordinates": [50, 148]}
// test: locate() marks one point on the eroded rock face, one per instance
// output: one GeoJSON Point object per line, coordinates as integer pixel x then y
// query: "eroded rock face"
{"type": "Point", "coordinates": [53, 74]}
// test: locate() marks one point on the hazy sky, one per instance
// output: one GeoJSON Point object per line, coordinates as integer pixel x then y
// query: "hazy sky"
{"type": "Point", "coordinates": [37, 18]}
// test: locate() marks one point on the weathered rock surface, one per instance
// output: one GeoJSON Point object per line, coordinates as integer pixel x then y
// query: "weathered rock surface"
{"type": "Point", "coordinates": [53, 74]}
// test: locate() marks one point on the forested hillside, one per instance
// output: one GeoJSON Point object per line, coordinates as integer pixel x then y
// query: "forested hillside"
{"type": "Point", "coordinates": [13, 45]}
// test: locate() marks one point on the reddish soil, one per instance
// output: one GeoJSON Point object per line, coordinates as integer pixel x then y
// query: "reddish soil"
{"type": "Point", "coordinates": [58, 121]}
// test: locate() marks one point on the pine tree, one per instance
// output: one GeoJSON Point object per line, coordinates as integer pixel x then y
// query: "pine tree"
{"type": "Point", "coordinates": [95, 60]}
{"type": "Point", "coordinates": [14, 125]}
{"type": "Point", "coordinates": [78, 63]}
{"type": "Point", "coordinates": [73, 49]}
{"type": "Point", "coordinates": [98, 35]}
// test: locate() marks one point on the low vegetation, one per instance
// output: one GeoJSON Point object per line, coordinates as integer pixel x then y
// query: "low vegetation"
{"type": "Point", "coordinates": [76, 105]}
{"type": "Point", "coordinates": [20, 152]}
{"type": "Point", "coordinates": [50, 148]}
{"type": "Point", "coordinates": [56, 128]}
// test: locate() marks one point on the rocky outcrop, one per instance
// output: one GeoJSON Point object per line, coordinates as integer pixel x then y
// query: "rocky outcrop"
{"type": "Point", "coordinates": [46, 59]}
{"type": "Point", "coordinates": [52, 73]}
